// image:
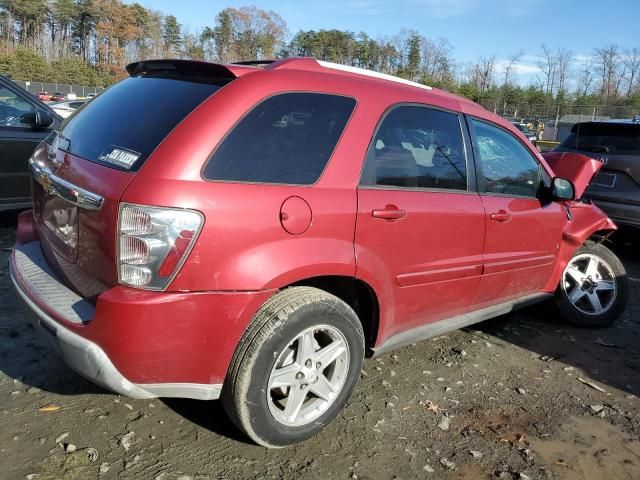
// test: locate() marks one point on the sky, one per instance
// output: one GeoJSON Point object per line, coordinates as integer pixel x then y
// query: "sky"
{"type": "Point", "coordinates": [475, 28]}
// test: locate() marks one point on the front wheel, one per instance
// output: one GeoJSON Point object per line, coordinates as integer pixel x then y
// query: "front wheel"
{"type": "Point", "coordinates": [593, 290]}
{"type": "Point", "coordinates": [295, 367]}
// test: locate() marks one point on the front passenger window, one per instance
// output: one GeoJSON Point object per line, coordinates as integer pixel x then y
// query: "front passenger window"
{"type": "Point", "coordinates": [507, 167]}
{"type": "Point", "coordinates": [12, 107]}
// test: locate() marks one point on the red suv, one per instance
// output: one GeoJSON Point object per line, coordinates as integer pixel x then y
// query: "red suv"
{"type": "Point", "coordinates": [260, 230]}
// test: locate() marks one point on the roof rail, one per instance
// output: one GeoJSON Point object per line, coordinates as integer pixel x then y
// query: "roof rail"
{"type": "Point", "coordinates": [310, 63]}
{"type": "Point", "coordinates": [371, 73]}
{"type": "Point", "coordinates": [254, 62]}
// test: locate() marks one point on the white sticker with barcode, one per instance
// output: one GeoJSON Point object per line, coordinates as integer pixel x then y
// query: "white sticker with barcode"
{"type": "Point", "coordinates": [121, 157]}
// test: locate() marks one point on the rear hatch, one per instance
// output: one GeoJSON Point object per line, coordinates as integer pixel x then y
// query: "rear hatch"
{"type": "Point", "coordinates": [617, 146]}
{"type": "Point", "coordinates": [81, 172]}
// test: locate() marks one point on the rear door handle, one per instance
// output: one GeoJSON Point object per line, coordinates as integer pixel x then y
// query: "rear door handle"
{"type": "Point", "coordinates": [390, 212]}
{"type": "Point", "coordinates": [501, 216]}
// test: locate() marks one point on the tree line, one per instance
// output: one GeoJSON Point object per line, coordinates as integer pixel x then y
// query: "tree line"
{"type": "Point", "coordinates": [90, 41]}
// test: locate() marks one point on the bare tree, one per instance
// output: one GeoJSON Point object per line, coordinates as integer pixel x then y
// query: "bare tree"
{"type": "Point", "coordinates": [619, 77]}
{"type": "Point", "coordinates": [564, 58]}
{"type": "Point", "coordinates": [607, 61]}
{"type": "Point", "coordinates": [548, 66]}
{"type": "Point", "coordinates": [508, 69]}
{"type": "Point", "coordinates": [631, 61]}
{"type": "Point", "coordinates": [437, 58]}
{"type": "Point", "coordinates": [484, 72]}
{"type": "Point", "coordinates": [586, 77]}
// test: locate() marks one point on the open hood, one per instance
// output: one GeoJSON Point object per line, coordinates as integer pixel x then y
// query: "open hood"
{"type": "Point", "coordinates": [578, 168]}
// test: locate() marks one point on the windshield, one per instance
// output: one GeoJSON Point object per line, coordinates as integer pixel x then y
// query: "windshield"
{"type": "Point", "coordinates": [615, 138]}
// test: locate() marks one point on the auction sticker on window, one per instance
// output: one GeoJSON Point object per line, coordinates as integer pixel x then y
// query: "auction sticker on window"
{"type": "Point", "coordinates": [120, 156]}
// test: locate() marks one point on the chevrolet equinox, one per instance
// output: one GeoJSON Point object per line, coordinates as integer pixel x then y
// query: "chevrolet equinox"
{"type": "Point", "coordinates": [257, 232]}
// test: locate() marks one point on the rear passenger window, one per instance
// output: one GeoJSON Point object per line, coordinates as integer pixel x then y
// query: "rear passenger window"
{"type": "Point", "coordinates": [288, 138]}
{"type": "Point", "coordinates": [417, 147]}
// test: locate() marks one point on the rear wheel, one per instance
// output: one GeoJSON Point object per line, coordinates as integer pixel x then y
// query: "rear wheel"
{"type": "Point", "coordinates": [593, 291]}
{"type": "Point", "coordinates": [295, 367]}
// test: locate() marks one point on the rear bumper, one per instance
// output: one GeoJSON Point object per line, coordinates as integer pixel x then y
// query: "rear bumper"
{"type": "Point", "coordinates": [82, 355]}
{"type": "Point", "coordinates": [136, 343]}
{"type": "Point", "coordinates": [621, 213]}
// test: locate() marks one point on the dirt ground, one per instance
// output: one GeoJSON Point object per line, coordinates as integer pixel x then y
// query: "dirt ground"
{"type": "Point", "coordinates": [502, 399]}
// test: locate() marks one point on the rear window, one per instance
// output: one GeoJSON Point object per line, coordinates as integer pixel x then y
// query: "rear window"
{"type": "Point", "coordinates": [615, 138]}
{"type": "Point", "coordinates": [123, 125]}
{"type": "Point", "coordinates": [287, 138]}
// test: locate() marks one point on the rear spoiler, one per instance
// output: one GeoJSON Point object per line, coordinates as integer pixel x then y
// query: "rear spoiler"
{"type": "Point", "coordinates": [189, 69]}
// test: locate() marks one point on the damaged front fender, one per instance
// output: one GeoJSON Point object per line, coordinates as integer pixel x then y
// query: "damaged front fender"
{"type": "Point", "coordinates": [586, 219]}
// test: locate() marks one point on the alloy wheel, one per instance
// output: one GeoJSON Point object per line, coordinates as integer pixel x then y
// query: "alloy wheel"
{"type": "Point", "coordinates": [589, 284]}
{"type": "Point", "coordinates": [308, 375]}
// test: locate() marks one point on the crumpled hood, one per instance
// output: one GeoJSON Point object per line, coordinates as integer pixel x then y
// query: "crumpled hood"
{"type": "Point", "coordinates": [578, 168]}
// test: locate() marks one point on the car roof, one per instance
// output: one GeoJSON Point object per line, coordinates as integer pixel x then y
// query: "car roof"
{"type": "Point", "coordinates": [623, 120]}
{"type": "Point", "coordinates": [308, 65]}
{"type": "Point", "coordinates": [319, 70]}
{"type": "Point", "coordinates": [607, 123]}
{"type": "Point", "coordinates": [312, 66]}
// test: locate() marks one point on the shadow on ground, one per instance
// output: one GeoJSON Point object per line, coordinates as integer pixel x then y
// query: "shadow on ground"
{"type": "Point", "coordinates": [610, 356]}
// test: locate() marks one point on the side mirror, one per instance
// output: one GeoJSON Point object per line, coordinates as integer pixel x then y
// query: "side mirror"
{"type": "Point", "coordinates": [37, 119]}
{"type": "Point", "coordinates": [562, 189]}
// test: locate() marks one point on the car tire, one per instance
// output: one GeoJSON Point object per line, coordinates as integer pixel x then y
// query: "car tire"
{"type": "Point", "coordinates": [582, 279]}
{"type": "Point", "coordinates": [277, 362]}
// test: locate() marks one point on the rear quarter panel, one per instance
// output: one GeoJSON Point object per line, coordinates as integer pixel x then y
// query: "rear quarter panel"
{"type": "Point", "coordinates": [243, 245]}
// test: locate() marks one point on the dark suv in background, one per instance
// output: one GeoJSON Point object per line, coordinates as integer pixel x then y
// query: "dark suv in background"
{"type": "Point", "coordinates": [24, 122]}
{"type": "Point", "coordinates": [616, 188]}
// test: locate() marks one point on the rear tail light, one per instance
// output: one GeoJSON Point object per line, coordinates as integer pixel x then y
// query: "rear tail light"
{"type": "Point", "coordinates": [154, 243]}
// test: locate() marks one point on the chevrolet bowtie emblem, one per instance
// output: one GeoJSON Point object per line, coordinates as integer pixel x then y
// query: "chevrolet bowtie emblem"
{"type": "Point", "coordinates": [46, 183]}
{"type": "Point", "coordinates": [54, 185]}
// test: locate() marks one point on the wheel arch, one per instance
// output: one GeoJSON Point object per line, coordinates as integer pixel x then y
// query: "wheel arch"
{"type": "Point", "coordinates": [587, 222]}
{"type": "Point", "coordinates": [356, 293]}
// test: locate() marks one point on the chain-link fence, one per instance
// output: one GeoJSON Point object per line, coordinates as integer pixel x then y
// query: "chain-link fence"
{"type": "Point", "coordinates": [558, 119]}
{"type": "Point", "coordinates": [80, 91]}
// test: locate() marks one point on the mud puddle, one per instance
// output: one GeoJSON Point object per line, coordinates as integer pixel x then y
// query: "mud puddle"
{"type": "Point", "coordinates": [590, 449]}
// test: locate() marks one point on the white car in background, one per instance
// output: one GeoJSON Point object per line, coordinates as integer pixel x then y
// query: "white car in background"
{"type": "Point", "coordinates": [66, 108]}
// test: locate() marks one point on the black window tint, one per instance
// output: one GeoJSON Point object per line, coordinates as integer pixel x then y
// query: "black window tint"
{"type": "Point", "coordinates": [287, 138]}
{"type": "Point", "coordinates": [615, 138]}
{"type": "Point", "coordinates": [417, 147]}
{"type": "Point", "coordinates": [507, 166]}
{"type": "Point", "coordinates": [133, 116]}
